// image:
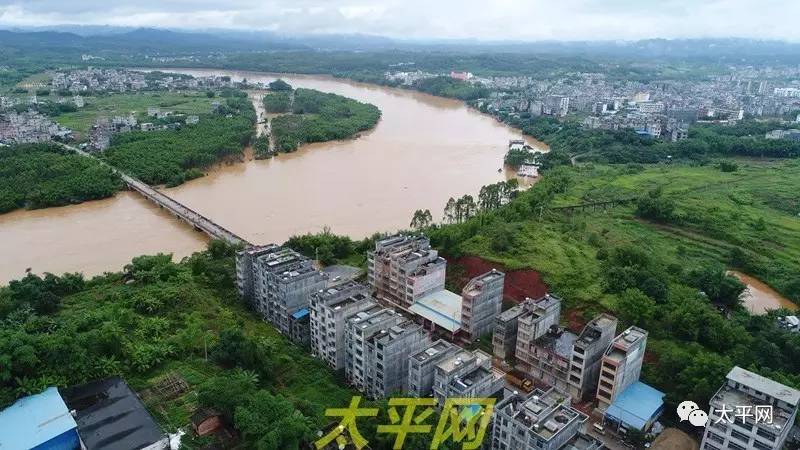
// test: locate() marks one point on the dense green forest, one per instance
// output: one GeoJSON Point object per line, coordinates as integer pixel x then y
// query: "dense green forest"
{"type": "Point", "coordinates": [278, 102]}
{"type": "Point", "coordinates": [156, 318]}
{"type": "Point", "coordinates": [319, 117]}
{"type": "Point", "coordinates": [42, 175]}
{"type": "Point", "coordinates": [174, 156]}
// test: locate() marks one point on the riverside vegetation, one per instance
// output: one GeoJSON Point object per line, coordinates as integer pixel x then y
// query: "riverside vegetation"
{"type": "Point", "coordinates": [42, 175]}
{"type": "Point", "coordinates": [174, 156]}
{"type": "Point", "coordinates": [317, 117]}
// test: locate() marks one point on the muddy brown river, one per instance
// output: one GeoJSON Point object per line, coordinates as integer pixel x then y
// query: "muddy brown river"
{"type": "Point", "coordinates": [759, 298]}
{"type": "Point", "coordinates": [424, 150]}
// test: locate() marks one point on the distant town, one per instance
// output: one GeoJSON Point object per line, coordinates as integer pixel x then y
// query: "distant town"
{"type": "Point", "coordinates": [660, 109]}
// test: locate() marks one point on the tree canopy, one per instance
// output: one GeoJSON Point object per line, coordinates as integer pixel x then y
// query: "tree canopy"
{"type": "Point", "coordinates": [319, 117]}
{"type": "Point", "coordinates": [42, 175]}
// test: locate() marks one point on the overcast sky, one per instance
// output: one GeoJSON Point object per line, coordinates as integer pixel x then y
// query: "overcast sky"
{"type": "Point", "coordinates": [486, 19]}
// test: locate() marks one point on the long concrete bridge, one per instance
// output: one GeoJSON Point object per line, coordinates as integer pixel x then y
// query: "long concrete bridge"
{"type": "Point", "coordinates": [178, 209]}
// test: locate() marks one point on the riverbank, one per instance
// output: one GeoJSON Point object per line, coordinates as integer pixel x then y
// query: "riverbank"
{"type": "Point", "coordinates": [424, 150]}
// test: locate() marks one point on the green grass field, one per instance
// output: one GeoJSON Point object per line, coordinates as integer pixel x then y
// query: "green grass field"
{"type": "Point", "coordinates": [755, 208]}
{"type": "Point", "coordinates": [124, 104]}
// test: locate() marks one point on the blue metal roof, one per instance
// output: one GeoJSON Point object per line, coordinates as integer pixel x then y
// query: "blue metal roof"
{"type": "Point", "coordinates": [636, 405]}
{"type": "Point", "coordinates": [34, 420]}
{"type": "Point", "coordinates": [300, 313]}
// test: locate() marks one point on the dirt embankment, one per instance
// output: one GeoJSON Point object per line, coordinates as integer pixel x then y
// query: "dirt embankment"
{"type": "Point", "coordinates": [519, 284]}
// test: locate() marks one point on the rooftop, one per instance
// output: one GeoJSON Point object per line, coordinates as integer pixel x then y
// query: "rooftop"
{"type": "Point", "coordinates": [374, 315]}
{"type": "Point", "coordinates": [431, 351]}
{"type": "Point", "coordinates": [558, 342]}
{"type": "Point", "coordinates": [765, 385]}
{"type": "Point", "coordinates": [544, 413]}
{"type": "Point", "coordinates": [511, 313]}
{"type": "Point", "coordinates": [624, 342]}
{"type": "Point", "coordinates": [387, 336]}
{"type": "Point", "coordinates": [34, 420]}
{"type": "Point", "coordinates": [636, 405]}
{"type": "Point", "coordinates": [594, 329]}
{"type": "Point", "coordinates": [111, 416]}
{"type": "Point", "coordinates": [441, 307]}
{"type": "Point", "coordinates": [456, 359]}
{"type": "Point", "coordinates": [475, 285]}
{"type": "Point", "coordinates": [342, 295]}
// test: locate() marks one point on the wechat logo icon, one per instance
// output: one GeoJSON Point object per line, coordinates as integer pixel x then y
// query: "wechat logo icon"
{"type": "Point", "coordinates": [688, 410]}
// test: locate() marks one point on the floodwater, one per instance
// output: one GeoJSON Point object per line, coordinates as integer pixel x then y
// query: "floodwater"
{"type": "Point", "coordinates": [424, 150]}
{"type": "Point", "coordinates": [759, 297]}
{"type": "Point", "coordinates": [93, 237]}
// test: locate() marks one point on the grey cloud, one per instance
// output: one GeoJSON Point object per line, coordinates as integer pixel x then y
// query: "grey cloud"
{"type": "Point", "coordinates": [494, 19]}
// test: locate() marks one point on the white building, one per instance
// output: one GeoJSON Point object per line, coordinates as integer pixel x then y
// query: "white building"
{"type": "Point", "coordinates": [621, 365]}
{"type": "Point", "coordinates": [745, 389]}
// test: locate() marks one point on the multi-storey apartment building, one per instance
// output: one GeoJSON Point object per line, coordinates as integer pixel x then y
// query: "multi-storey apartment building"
{"type": "Point", "coordinates": [422, 367]}
{"type": "Point", "coordinates": [330, 309]}
{"type": "Point", "coordinates": [386, 357]}
{"type": "Point", "coordinates": [287, 279]}
{"type": "Point", "coordinates": [621, 365]}
{"type": "Point", "coordinates": [247, 277]}
{"type": "Point", "coordinates": [482, 301]}
{"type": "Point", "coordinates": [403, 269]}
{"type": "Point", "coordinates": [466, 374]}
{"type": "Point", "coordinates": [277, 281]}
{"type": "Point", "coordinates": [358, 330]}
{"type": "Point", "coordinates": [504, 338]}
{"type": "Point", "coordinates": [559, 357]}
{"type": "Point", "coordinates": [544, 420]}
{"type": "Point", "coordinates": [587, 351]}
{"type": "Point", "coordinates": [747, 391]}
{"type": "Point", "coordinates": [539, 318]}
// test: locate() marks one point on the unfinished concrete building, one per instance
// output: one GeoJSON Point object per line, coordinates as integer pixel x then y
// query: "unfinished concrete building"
{"type": "Point", "coordinates": [330, 309]}
{"type": "Point", "coordinates": [278, 282]}
{"type": "Point", "coordinates": [247, 277]}
{"type": "Point", "coordinates": [357, 330]}
{"type": "Point", "coordinates": [482, 301]}
{"type": "Point", "coordinates": [621, 365]}
{"type": "Point", "coordinates": [557, 356]}
{"type": "Point", "coordinates": [749, 391]}
{"type": "Point", "coordinates": [403, 269]}
{"type": "Point", "coordinates": [386, 357]}
{"type": "Point", "coordinates": [587, 352]}
{"type": "Point", "coordinates": [544, 420]}
{"type": "Point", "coordinates": [422, 367]}
{"type": "Point", "coordinates": [537, 319]}
{"type": "Point", "coordinates": [300, 327]}
{"type": "Point", "coordinates": [504, 337]}
{"type": "Point", "coordinates": [466, 374]}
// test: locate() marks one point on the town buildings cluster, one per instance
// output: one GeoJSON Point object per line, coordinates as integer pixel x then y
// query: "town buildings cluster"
{"type": "Point", "coordinates": [404, 333]}
{"type": "Point", "coordinates": [122, 80]}
{"type": "Point", "coordinates": [29, 127]}
{"type": "Point", "coordinates": [104, 128]}
{"type": "Point", "coordinates": [660, 109]}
